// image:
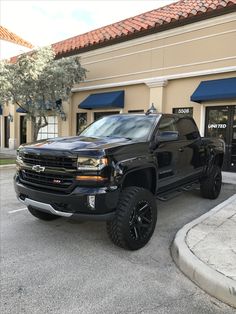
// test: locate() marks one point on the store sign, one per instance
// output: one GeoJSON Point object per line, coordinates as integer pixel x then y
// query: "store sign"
{"type": "Point", "coordinates": [217, 126]}
{"type": "Point", "coordinates": [183, 111]}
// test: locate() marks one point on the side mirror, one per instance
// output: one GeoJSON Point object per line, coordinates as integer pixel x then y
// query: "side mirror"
{"type": "Point", "coordinates": [167, 136]}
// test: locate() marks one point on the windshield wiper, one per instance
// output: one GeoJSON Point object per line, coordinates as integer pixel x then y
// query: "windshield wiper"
{"type": "Point", "coordinates": [127, 138]}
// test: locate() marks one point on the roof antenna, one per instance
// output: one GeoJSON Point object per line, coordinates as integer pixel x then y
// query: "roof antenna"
{"type": "Point", "coordinates": [151, 110]}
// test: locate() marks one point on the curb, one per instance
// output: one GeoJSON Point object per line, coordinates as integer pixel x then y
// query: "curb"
{"type": "Point", "coordinates": [228, 177]}
{"type": "Point", "coordinates": [10, 166]}
{"type": "Point", "coordinates": [208, 279]}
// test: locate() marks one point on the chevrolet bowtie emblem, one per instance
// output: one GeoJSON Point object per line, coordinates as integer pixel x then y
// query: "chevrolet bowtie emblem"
{"type": "Point", "coordinates": [38, 168]}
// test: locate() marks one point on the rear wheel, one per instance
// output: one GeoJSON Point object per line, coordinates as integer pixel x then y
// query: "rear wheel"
{"type": "Point", "coordinates": [41, 215]}
{"type": "Point", "coordinates": [135, 219]}
{"type": "Point", "coordinates": [211, 185]}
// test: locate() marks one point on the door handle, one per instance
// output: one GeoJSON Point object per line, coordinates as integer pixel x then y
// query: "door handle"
{"type": "Point", "coordinates": [181, 149]}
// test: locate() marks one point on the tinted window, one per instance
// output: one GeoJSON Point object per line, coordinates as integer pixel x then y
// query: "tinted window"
{"type": "Point", "coordinates": [167, 124]}
{"type": "Point", "coordinates": [130, 126]}
{"type": "Point", "coordinates": [187, 129]}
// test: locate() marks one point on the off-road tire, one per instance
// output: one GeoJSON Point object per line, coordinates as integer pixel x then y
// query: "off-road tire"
{"type": "Point", "coordinates": [41, 215]}
{"type": "Point", "coordinates": [135, 219]}
{"type": "Point", "coordinates": [211, 185]}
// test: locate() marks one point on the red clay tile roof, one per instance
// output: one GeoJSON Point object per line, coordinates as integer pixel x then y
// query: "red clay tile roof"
{"type": "Point", "coordinates": [149, 22]}
{"type": "Point", "coordinates": [5, 34]}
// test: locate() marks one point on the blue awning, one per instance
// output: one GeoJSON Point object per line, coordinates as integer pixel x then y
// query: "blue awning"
{"type": "Point", "coordinates": [21, 110]}
{"type": "Point", "coordinates": [104, 100]}
{"type": "Point", "coordinates": [215, 90]}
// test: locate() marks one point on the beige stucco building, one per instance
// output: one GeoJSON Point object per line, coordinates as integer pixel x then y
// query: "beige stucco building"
{"type": "Point", "coordinates": [165, 68]}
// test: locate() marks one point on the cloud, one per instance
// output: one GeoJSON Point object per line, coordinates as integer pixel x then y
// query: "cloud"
{"type": "Point", "coordinates": [48, 21]}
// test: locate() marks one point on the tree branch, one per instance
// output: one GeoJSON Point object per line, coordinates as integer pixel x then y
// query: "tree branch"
{"type": "Point", "coordinates": [42, 125]}
{"type": "Point", "coordinates": [20, 105]}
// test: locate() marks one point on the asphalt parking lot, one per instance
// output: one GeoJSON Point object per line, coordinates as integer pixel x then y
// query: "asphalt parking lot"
{"type": "Point", "coordinates": [68, 266]}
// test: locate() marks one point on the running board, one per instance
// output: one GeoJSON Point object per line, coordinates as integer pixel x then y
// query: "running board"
{"type": "Point", "coordinates": [167, 195]}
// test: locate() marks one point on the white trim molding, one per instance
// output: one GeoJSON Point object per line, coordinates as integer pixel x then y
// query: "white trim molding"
{"type": "Point", "coordinates": [156, 80]}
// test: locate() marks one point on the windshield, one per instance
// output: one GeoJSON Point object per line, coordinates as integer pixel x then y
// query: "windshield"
{"type": "Point", "coordinates": [125, 126]}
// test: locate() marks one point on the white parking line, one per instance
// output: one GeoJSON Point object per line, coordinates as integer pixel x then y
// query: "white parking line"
{"type": "Point", "coordinates": [16, 210]}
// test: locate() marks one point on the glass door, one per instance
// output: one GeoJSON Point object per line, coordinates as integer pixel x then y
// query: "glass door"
{"type": "Point", "coordinates": [23, 132]}
{"type": "Point", "coordinates": [232, 148]}
{"type": "Point", "coordinates": [221, 123]}
{"type": "Point", "coordinates": [6, 132]}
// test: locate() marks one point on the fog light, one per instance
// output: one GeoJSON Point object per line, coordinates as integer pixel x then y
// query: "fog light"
{"type": "Point", "coordinates": [91, 201]}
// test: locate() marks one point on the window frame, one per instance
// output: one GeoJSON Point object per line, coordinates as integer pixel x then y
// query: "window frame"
{"type": "Point", "coordinates": [48, 134]}
{"type": "Point", "coordinates": [77, 121]}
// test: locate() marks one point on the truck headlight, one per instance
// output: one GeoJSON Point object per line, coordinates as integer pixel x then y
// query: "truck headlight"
{"type": "Point", "coordinates": [94, 164]}
{"type": "Point", "coordinates": [18, 155]}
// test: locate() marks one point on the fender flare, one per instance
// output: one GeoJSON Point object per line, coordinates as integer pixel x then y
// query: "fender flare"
{"type": "Point", "coordinates": [133, 170]}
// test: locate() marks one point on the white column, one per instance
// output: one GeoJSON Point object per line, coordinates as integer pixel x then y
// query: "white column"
{"type": "Point", "coordinates": [29, 131]}
{"type": "Point", "coordinates": [156, 95]}
{"type": "Point", "coordinates": [202, 119]}
{"type": "Point", "coordinates": [13, 143]}
{"type": "Point", "coordinates": [2, 130]}
{"type": "Point", "coordinates": [65, 127]}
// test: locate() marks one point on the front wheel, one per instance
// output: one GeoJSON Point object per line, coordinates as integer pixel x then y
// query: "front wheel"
{"type": "Point", "coordinates": [42, 215]}
{"type": "Point", "coordinates": [135, 220]}
{"type": "Point", "coordinates": [211, 185]}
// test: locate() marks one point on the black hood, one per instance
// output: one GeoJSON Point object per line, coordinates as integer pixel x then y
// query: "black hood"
{"type": "Point", "coordinates": [77, 143]}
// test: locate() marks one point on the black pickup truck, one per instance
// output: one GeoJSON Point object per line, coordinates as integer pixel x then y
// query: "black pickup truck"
{"type": "Point", "coordinates": [115, 169]}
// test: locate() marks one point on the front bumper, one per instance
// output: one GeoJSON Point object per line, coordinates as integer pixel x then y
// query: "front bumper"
{"type": "Point", "coordinates": [74, 204]}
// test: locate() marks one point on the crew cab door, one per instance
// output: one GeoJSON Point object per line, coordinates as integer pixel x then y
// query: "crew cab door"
{"type": "Point", "coordinates": [168, 153]}
{"type": "Point", "coordinates": [191, 149]}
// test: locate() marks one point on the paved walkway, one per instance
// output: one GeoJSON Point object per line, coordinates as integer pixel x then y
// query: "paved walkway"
{"type": "Point", "coordinates": [205, 250]}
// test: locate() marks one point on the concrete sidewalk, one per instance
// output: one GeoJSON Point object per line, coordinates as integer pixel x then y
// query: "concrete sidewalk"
{"type": "Point", "coordinates": [205, 251]}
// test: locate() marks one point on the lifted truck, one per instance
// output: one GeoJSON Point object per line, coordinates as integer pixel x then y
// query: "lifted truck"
{"type": "Point", "coordinates": [115, 169]}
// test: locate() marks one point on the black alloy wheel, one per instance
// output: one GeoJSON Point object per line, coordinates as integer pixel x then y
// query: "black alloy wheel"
{"type": "Point", "coordinates": [135, 219]}
{"type": "Point", "coordinates": [217, 183]}
{"type": "Point", "coordinates": [141, 220]}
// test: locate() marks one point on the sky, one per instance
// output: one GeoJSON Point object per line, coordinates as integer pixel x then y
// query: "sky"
{"type": "Point", "coordinates": [43, 22]}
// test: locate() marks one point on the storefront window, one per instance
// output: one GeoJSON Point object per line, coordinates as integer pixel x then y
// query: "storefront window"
{"type": "Point", "coordinates": [49, 131]}
{"type": "Point", "coordinates": [81, 121]}
{"type": "Point", "coordinates": [98, 115]}
{"type": "Point", "coordinates": [136, 111]}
